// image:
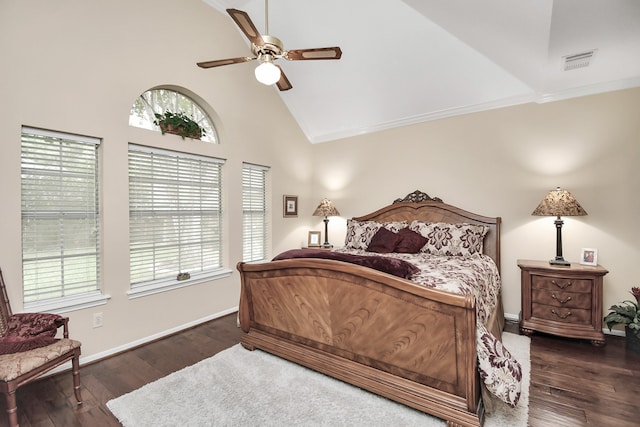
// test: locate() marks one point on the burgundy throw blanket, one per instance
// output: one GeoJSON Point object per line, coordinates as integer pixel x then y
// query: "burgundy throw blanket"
{"type": "Point", "coordinates": [397, 267]}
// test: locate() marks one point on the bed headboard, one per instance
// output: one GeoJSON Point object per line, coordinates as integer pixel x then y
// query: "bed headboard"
{"type": "Point", "coordinates": [420, 206]}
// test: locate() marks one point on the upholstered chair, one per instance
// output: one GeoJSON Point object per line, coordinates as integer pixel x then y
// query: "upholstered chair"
{"type": "Point", "coordinates": [29, 348]}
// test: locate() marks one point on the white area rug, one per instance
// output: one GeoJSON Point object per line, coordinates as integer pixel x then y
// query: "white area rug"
{"type": "Point", "coordinates": [237, 387]}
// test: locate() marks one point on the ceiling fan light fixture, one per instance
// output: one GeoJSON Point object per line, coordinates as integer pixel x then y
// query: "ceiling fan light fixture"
{"type": "Point", "coordinates": [267, 73]}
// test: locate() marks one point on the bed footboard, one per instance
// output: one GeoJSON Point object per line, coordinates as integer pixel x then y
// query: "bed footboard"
{"type": "Point", "coordinates": [384, 334]}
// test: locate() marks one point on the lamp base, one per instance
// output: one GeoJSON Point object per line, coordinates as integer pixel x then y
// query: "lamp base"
{"type": "Point", "coordinates": [327, 245]}
{"type": "Point", "coordinates": [559, 261]}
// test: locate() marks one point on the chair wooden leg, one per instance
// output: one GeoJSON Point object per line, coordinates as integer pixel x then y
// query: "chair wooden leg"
{"type": "Point", "coordinates": [12, 408]}
{"type": "Point", "coordinates": [75, 369]}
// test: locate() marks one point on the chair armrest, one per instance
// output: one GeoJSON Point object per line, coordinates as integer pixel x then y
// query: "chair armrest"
{"type": "Point", "coordinates": [64, 322]}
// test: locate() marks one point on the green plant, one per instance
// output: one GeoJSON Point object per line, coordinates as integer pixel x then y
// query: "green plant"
{"type": "Point", "coordinates": [179, 124]}
{"type": "Point", "coordinates": [626, 313]}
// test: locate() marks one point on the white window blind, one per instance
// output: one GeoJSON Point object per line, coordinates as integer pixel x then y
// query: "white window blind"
{"type": "Point", "coordinates": [254, 212]}
{"type": "Point", "coordinates": [175, 214]}
{"type": "Point", "coordinates": [60, 215]}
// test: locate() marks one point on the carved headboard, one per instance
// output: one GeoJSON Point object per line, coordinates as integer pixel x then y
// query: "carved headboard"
{"type": "Point", "coordinates": [420, 206]}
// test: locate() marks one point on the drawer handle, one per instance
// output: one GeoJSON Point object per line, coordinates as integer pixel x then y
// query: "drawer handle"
{"type": "Point", "coordinates": [562, 316]}
{"type": "Point", "coordinates": [561, 301]}
{"type": "Point", "coordinates": [566, 285]}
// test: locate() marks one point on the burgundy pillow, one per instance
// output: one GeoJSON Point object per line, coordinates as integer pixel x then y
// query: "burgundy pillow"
{"type": "Point", "coordinates": [410, 242]}
{"type": "Point", "coordinates": [26, 331]}
{"type": "Point", "coordinates": [14, 344]}
{"type": "Point", "coordinates": [383, 242]}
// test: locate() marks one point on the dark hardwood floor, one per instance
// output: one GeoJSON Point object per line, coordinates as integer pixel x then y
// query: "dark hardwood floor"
{"type": "Point", "coordinates": [572, 383]}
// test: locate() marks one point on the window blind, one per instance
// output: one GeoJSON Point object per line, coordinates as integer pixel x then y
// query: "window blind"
{"type": "Point", "coordinates": [175, 214]}
{"type": "Point", "coordinates": [60, 214]}
{"type": "Point", "coordinates": [254, 212]}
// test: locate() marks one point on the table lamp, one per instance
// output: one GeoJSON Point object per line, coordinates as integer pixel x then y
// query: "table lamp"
{"type": "Point", "coordinates": [326, 208]}
{"type": "Point", "coordinates": [559, 203]}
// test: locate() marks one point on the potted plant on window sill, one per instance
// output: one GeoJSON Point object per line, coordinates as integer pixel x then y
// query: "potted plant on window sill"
{"type": "Point", "coordinates": [179, 124]}
{"type": "Point", "coordinates": [628, 314]}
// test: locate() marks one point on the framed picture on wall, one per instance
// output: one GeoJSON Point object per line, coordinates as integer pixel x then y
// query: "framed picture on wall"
{"type": "Point", "coordinates": [290, 206]}
{"type": "Point", "coordinates": [589, 256]}
{"type": "Point", "coordinates": [314, 239]}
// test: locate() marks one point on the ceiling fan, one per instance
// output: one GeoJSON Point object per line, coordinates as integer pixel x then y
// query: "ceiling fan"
{"type": "Point", "coordinates": [266, 49]}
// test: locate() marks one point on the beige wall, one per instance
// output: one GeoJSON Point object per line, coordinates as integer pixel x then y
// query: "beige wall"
{"type": "Point", "coordinates": [77, 67]}
{"type": "Point", "coordinates": [502, 163]}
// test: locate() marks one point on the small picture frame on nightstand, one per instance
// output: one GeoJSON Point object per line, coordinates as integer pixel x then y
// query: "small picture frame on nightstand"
{"type": "Point", "coordinates": [314, 239]}
{"type": "Point", "coordinates": [589, 256]}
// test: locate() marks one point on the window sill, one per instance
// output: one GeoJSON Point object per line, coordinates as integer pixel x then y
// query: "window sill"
{"type": "Point", "coordinates": [168, 285]}
{"type": "Point", "coordinates": [67, 304]}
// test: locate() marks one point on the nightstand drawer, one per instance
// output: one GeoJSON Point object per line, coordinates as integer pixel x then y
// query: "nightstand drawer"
{"type": "Point", "coordinates": [564, 284]}
{"type": "Point", "coordinates": [561, 314]}
{"type": "Point", "coordinates": [562, 299]}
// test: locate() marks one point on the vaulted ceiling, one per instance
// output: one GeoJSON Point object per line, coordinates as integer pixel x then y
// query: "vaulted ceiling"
{"type": "Point", "coordinates": [409, 61]}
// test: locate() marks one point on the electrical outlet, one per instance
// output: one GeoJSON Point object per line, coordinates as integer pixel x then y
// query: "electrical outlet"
{"type": "Point", "coordinates": [97, 320]}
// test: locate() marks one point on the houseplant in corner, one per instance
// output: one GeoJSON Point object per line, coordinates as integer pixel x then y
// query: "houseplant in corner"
{"type": "Point", "coordinates": [178, 124]}
{"type": "Point", "coordinates": [628, 314]}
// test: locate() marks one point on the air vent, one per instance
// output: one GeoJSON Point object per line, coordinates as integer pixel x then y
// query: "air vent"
{"type": "Point", "coordinates": [578, 60]}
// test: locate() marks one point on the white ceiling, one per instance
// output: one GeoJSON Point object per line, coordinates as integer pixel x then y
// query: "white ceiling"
{"type": "Point", "coordinates": [409, 61]}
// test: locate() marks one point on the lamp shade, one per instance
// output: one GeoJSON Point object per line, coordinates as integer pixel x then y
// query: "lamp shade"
{"type": "Point", "coordinates": [326, 208]}
{"type": "Point", "coordinates": [559, 203]}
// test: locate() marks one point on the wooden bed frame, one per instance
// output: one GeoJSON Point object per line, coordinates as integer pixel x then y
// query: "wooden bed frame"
{"type": "Point", "coordinates": [411, 344]}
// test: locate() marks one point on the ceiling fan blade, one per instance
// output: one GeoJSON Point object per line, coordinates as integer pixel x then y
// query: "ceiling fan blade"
{"type": "Point", "coordinates": [317, 53]}
{"type": "Point", "coordinates": [219, 62]}
{"type": "Point", "coordinates": [243, 21]}
{"type": "Point", "coordinates": [283, 83]}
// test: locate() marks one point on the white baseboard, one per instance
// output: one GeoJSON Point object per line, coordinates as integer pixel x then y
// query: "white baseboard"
{"type": "Point", "coordinates": [512, 317]}
{"type": "Point", "coordinates": [110, 352]}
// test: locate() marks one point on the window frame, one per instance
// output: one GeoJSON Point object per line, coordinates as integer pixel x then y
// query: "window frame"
{"type": "Point", "coordinates": [255, 180]}
{"type": "Point", "coordinates": [170, 209]}
{"type": "Point", "coordinates": [71, 173]}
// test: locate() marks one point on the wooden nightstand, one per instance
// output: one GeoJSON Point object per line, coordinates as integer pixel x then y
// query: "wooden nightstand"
{"type": "Point", "coordinates": [564, 301]}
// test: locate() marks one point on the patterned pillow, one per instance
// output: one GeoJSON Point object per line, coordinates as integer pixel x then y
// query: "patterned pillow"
{"type": "Point", "coordinates": [360, 233]}
{"type": "Point", "coordinates": [460, 239]}
{"type": "Point", "coordinates": [26, 331]}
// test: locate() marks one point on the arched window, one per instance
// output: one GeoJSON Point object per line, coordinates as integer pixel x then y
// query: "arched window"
{"type": "Point", "coordinates": [160, 101]}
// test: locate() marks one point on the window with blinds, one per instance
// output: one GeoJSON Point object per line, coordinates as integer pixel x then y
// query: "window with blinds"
{"type": "Point", "coordinates": [175, 215]}
{"type": "Point", "coordinates": [60, 215]}
{"type": "Point", "coordinates": [254, 212]}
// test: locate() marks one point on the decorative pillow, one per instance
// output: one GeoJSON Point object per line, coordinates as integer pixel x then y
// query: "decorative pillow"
{"type": "Point", "coordinates": [410, 242]}
{"type": "Point", "coordinates": [460, 239]}
{"type": "Point", "coordinates": [384, 241]}
{"type": "Point", "coordinates": [360, 233]}
{"type": "Point", "coordinates": [13, 344]}
{"type": "Point", "coordinates": [26, 331]}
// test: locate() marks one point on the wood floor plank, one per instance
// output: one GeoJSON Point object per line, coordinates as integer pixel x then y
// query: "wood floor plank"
{"type": "Point", "coordinates": [572, 383]}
